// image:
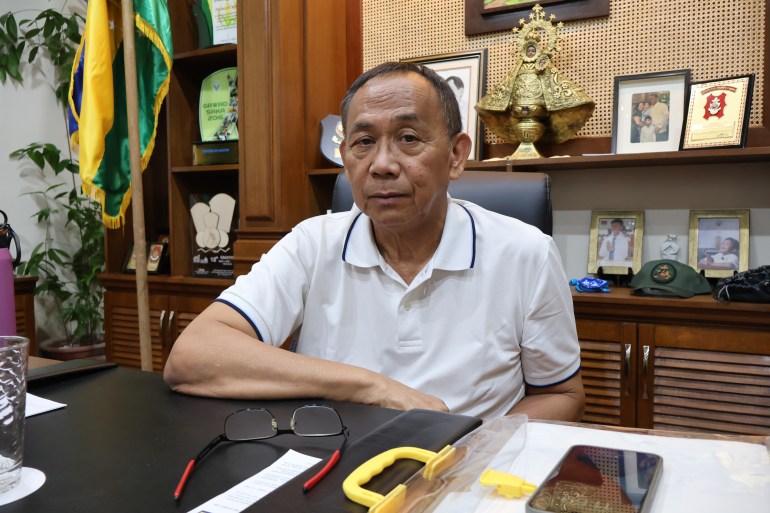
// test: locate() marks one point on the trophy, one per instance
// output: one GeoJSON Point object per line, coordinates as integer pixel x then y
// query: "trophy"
{"type": "Point", "coordinates": [218, 119]}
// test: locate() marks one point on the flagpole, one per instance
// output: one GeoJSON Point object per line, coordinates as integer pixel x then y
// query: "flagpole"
{"type": "Point", "coordinates": [137, 192]}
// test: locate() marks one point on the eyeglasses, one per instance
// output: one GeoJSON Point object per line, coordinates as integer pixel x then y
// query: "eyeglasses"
{"type": "Point", "coordinates": [259, 424]}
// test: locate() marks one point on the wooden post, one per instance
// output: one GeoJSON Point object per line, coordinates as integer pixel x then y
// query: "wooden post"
{"type": "Point", "coordinates": [137, 192]}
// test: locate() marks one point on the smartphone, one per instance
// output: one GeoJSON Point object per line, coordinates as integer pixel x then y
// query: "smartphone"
{"type": "Point", "coordinates": [591, 479]}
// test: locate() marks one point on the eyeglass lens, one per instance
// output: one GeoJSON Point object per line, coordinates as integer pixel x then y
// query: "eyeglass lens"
{"type": "Point", "coordinates": [257, 424]}
{"type": "Point", "coordinates": [250, 425]}
{"type": "Point", "coordinates": [316, 421]}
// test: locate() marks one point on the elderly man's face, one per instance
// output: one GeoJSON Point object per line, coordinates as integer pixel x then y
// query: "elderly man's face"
{"type": "Point", "coordinates": [397, 155]}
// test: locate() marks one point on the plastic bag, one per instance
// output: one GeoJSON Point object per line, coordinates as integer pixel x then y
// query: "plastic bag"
{"type": "Point", "coordinates": [751, 286]}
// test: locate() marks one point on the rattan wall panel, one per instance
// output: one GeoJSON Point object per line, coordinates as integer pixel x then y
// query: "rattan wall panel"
{"type": "Point", "coordinates": [713, 38]}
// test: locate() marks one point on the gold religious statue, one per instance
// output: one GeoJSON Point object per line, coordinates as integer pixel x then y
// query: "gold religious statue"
{"type": "Point", "coordinates": [535, 102]}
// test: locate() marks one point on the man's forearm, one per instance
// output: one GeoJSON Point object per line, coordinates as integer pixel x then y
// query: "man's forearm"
{"type": "Point", "coordinates": [218, 355]}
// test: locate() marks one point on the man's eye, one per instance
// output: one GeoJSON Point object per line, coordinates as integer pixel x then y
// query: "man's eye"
{"type": "Point", "coordinates": [409, 138]}
{"type": "Point", "coordinates": [364, 141]}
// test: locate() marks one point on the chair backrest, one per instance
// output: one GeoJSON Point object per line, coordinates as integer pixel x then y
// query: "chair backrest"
{"type": "Point", "coordinates": [524, 196]}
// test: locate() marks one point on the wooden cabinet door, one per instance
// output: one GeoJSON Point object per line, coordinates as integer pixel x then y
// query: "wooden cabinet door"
{"type": "Point", "coordinates": [121, 328]}
{"type": "Point", "coordinates": [169, 315]}
{"type": "Point", "coordinates": [704, 379]}
{"type": "Point", "coordinates": [183, 309]}
{"type": "Point", "coordinates": [608, 359]}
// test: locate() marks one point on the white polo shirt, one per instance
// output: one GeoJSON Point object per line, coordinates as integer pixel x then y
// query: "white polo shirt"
{"type": "Point", "coordinates": [490, 310]}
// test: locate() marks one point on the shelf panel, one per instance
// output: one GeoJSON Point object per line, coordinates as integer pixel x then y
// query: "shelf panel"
{"type": "Point", "coordinates": [218, 168]}
{"type": "Point", "coordinates": [621, 303]}
{"type": "Point", "coordinates": [325, 171]}
{"type": "Point", "coordinates": [670, 158]}
{"type": "Point", "coordinates": [214, 54]}
{"type": "Point", "coordinates": [168, 284]}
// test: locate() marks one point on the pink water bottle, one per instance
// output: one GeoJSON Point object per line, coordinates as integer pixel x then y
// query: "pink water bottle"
{"type": "Point", "coordinates": [7, 301]}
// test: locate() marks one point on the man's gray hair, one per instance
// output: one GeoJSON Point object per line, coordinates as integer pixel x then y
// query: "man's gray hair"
{"type": "Point", "coordinates": [450, 109]}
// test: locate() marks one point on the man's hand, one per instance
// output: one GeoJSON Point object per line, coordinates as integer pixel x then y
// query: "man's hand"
{"type": "Point", "coordinates": [389, 393]}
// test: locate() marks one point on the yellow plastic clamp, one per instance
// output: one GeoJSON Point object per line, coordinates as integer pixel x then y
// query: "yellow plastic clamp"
{"type": "Point", "coordinates": [509, 486]}
{"type": "Point", "coordinates": [392, 502]}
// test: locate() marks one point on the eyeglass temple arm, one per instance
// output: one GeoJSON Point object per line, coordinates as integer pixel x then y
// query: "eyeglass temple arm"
{"type": "Point", "coordinates": [335, 457]}
{"type": "Point", "coordinates": [191, 465]}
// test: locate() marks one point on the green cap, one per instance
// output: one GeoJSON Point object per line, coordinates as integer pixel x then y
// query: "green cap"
{"type": "Point", "coordinates": [669, 278]}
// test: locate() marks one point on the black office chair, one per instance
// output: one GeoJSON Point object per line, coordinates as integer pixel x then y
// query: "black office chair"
{"type": "Point", "coordinates": [524, 196]}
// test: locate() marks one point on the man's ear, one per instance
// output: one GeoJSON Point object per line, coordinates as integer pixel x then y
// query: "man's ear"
{"type": "Point", "coordinates": [461, 148]}
{"type": "Point", "coordinates": [342, 151]}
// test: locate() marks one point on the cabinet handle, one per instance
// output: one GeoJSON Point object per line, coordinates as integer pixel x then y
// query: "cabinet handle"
{"type": "Point", "coordinates": [645, 369]}
{"type": "Point", "coordinates": [168, 329]}
{"type": "Point", "coordinates": [160, 327]}
{"type": "Point", "coordinates": [627, 370]}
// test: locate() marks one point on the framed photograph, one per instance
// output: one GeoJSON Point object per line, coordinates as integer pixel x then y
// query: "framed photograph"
{"type": "Point", "coordinates": [482, 16]}
{"type": "Point", "coordinates": [718, 113]}
{"type": "Point", "coordinates": [466, 74]}
{"type": "Point", "coordinates": [156, 258]}
{"type": "Point", "coordinates": [129, 263]}
{"type": "Point", "coordinates": [719, 242]}
{"type": "Point", "coordinates": [615, 243]}
{"type": "Point", "coordinates": [648, 111]}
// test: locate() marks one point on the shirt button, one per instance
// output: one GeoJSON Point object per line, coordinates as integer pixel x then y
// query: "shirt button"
{"type": "Point", "coordinates": [407, 307]}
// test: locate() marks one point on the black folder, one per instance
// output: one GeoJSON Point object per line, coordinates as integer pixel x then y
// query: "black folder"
{"type": "Point", "coordinates": [65, 369]}
{"type": "Point", "coordinates": [431, 430]}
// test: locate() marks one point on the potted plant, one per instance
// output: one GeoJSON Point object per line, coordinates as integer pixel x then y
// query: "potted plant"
{"type": "Point", "coordinates": [67, 261]}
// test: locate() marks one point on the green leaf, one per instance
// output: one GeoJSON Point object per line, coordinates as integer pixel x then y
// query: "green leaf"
{"type": "Point", "coordinates": [73, 29]}
{"type": "Point", "coordinates": [32, 54]}
{"type": "Point", "coordinates": [12, 66]}
{"type": "Point", "coordinates": [11, 27]}
{"type": "Point", "coordinates": [32, 33]}
{"type": "Point", "coordinates": [37, 158]}
{"type": "Point", "coordinates": [51, 155]}
{"type": "Point", "coordinates": [48, 28]}
{"type": "Point", "coordinates": [20, 49]}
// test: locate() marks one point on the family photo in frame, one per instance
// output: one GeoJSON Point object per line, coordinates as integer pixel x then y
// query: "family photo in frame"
{"type": "Point", "coordinates": [719, 242]}
{"type": "Point", "coordinates": [648, 111]}
{"type": "Point", "coordinates": [465, 72]}
{"type": "Point", "coordinates": [615, 243]}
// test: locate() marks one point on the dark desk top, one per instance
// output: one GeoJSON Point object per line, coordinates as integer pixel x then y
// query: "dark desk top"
{"type": "Point", "coordinates": [124, 439]}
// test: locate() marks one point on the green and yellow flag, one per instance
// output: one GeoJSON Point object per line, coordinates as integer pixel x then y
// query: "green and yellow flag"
{"type": "Point", "coordinates": [97, 98]}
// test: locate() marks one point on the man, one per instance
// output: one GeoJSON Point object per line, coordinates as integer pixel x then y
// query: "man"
{"type": "Point", "coordinates": [659, 114]}
{"type": "Point", "coordinates": [615, 245]}
{"type": "Point", "coordinates": [409, 300]}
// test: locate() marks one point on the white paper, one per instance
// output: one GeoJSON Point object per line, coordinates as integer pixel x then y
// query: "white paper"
{"type": "Point", "coordinates": [224, 20]}
{"type": "Point", "coordinates": [37, 405]}
{"type": "Point", "coordinates": [246, 493]}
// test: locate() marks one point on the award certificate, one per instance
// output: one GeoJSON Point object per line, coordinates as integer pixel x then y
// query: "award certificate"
{"type": "Point", "coordinates": [718, 113]}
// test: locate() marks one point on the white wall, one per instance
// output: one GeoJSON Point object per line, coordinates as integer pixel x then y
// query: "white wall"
{"type": "Point", "coordinates": [29, 114]}
{"type": "Point", "coordinates": [666, 195]}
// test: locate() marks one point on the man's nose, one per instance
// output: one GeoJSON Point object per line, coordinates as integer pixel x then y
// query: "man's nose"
{"type": "Point", "coordinates": [384, 159]}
